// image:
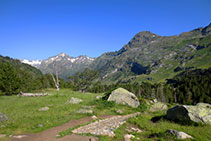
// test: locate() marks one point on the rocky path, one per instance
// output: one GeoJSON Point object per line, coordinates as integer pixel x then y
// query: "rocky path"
{"type": "Point", "coordinates": [102, 127]}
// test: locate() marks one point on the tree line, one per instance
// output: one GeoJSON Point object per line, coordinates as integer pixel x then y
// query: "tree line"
{"type": "Point", "coordinates": [16, 77]}
{"type": "Point", "coordinates": [188, 87]}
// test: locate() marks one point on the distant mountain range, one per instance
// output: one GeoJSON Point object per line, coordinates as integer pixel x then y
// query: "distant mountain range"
{"type": "Point", "coordinates": [63, 63]}
{"type": "Point", "coordinates": [146, 57]}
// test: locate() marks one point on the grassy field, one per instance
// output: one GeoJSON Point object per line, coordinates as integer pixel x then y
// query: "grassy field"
{"type": "Point", "coordinates": [25, 117]}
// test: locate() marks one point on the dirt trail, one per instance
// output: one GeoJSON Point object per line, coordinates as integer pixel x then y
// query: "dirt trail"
{"type": "Point", "coordinates": [50, 134]}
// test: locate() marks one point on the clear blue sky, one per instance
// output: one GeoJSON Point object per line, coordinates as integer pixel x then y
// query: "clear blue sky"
{"type": "Point", "coordinates": [37, 29]}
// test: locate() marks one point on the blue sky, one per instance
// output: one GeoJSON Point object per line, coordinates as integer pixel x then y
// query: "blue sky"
{"type": "Point", "coordinates": [38, 29]}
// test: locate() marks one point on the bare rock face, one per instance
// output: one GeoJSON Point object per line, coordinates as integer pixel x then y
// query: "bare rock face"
{"type": "Point", "coordinates": [197, 113]}
{"type": "Point", "coordinates": [122, 96]}
{"type": "Point", "coordinates": [179, 134]}
{"type": "Point", "coordinates": [3, 117]}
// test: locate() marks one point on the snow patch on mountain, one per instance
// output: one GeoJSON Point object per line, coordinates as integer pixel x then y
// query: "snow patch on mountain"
{"type": "Point", "coordinates": [34, 63]}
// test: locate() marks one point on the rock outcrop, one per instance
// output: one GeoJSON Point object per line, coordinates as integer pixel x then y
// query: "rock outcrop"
{"type": "Point", "coordinates": [122, 96]}
{"type": "Point", "coordinates": [198, 113]}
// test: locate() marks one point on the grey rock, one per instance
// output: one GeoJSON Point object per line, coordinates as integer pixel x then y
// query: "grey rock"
{"type": "Point", "coordinates": [179, 134]}
{"type": "Point", "coordinates": [119, 111]}
{"type": "Point", "coordinates": [32, 94]}
{"type": "Point", "coordinates": [19, 136]}
{"type": "Point", "coordinates": [127, 137]}
{"type": "Point", "coordinates": [122, 96]}
{"type": "Point", "coordinates": [94, 117]}
{"type": "Point", "coordinates": [198, 113]}
{"type": "Point", "coordinates": [3, 117]}
{"type": "Point", "coordinates": [132, 129]}
{"type": "Point", "coordinates": [85, 111]}
{"type": "Point", "coordinates": [40, 125]}
{"type": "Point", "coordinates": [74, 101]}
{"type": "Point", "coordinates": [44, 109]}
{"type": "Point", "coordinates": [98, 97]}
{"type": "Point", "coordinates": [158, 106]}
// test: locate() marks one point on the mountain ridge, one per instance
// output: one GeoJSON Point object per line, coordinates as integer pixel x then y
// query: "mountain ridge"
{"type": "Point", "coordinates": [145, 54]}
{"type": "Point", "coordinates": [66, 64]}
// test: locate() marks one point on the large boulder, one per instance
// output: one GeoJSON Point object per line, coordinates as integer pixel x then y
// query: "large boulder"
{"type": "Point", "coordinates": [122, 96]}
{"type": "Point", "coordinates": [198, 113]}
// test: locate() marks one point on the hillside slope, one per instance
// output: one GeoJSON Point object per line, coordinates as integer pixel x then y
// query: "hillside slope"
{"type": "Point", "coordinates": [150, 57]}
{"type": "Point", "coordinates": [63, 63]}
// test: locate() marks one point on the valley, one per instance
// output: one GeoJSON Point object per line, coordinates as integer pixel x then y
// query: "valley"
{"type": "Point", "coordinates": [153, 88]}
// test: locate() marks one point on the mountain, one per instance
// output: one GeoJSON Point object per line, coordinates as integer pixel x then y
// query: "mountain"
{"type": "Point", "coordinates": [63, 63]}
{"type": "Point", "coordinates": [148, 56]}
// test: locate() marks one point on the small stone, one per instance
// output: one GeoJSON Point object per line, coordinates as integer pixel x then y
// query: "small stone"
{"type": "Point", "coordinates": [19, 136]}
{"type": "Point", "coordinates": [94, 117]}
{"type": "Point", "coordinates": [179, 134]}
{"type": "Point", "coordinates": [134, 130]}
{"type": "Point", "coordinates": [40, 125]}
{"type": "Point", "coordinates": [2, 135]}
{"type": "Point", "coordinates": [74, 100]}
{"type": "Point", "coordinates": [85, 111]}
{"type": "Point", "coordinates": [98, 97]}
{"type": "Point", "coordinates": [127, 137]}
{"type": "Point", "coordinates": [44, 109]}
{"type": "Point", "coordinates": [119, 112]}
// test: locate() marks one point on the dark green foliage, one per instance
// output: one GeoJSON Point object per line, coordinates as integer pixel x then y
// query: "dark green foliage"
{"type": "Point", "coordinates": [192, 86]}
{"type": "Point", "coordinates": [102, 104]}
{"type": "Point", "coordinates": [108, 93]}
{"type": "Point", "coordinates": [143, 105]}
{"type": "Point", "coordinates": [82, 80]}
{"type": "Point", "coordinates": [16, 77]}
{"type": "Point", "coordinates": [9, 81]}
{"type": "Point", "coordinates": [188, 87]}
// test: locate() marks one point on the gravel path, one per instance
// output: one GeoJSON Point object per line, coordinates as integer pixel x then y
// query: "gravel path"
{"type": "Point", "coordinates": [104, 127]}
{"type": "Point", "coordinates": [101, 127]}
{"type": "Point", "coordinates": [50, 134]}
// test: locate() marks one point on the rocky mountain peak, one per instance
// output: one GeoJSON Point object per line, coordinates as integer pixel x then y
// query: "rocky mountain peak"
{"type": "Point", "coordinates": [62, 54]}
{"type": "Point", "coordinates": [143, 37]}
